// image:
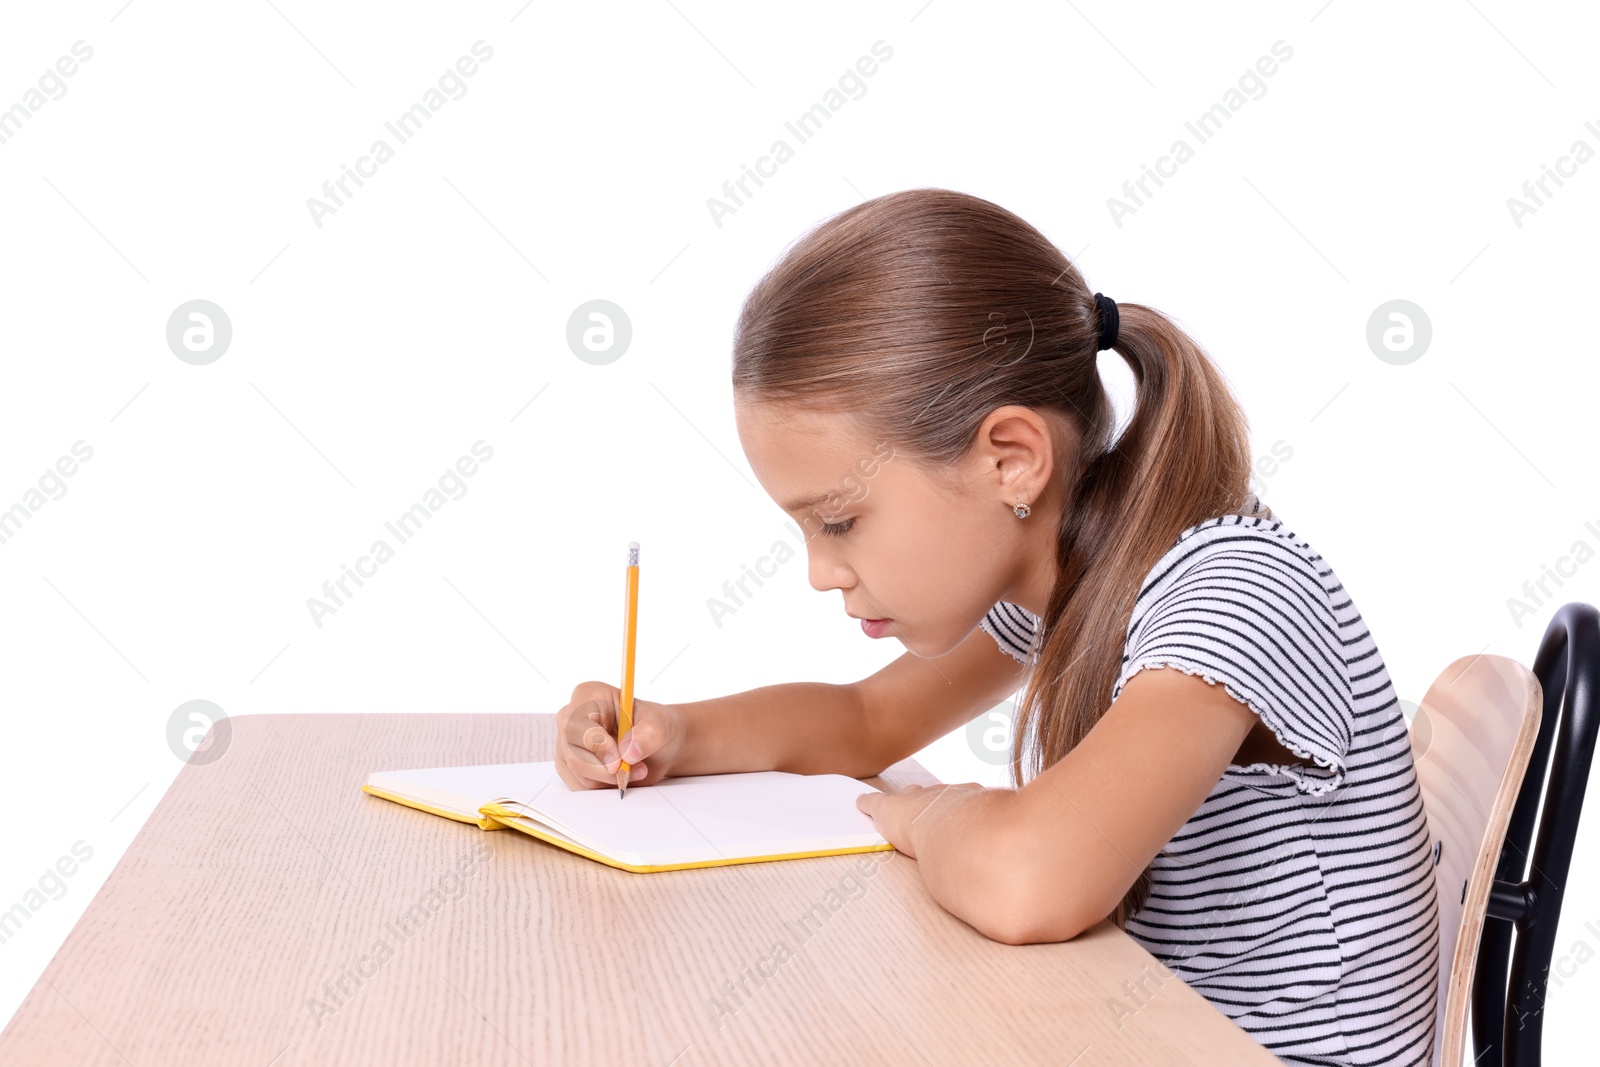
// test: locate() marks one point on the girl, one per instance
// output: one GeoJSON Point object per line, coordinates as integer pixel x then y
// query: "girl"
{"type": "Point", "coordinates": [1208, 750]}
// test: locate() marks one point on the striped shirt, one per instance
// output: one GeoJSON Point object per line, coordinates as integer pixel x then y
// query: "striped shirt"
{"type": "Point", "coordinates": [1299, 899]}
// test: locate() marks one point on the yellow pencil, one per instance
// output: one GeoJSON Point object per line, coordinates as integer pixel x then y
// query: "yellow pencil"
{"type": "Point", "coordinates": [630, 635]}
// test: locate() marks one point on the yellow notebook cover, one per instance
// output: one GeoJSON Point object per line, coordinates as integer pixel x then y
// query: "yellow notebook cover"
{"type": "Point", "coordinates": [679, 823]}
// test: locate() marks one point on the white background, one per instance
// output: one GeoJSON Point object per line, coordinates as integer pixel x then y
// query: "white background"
{"type": "Point", "coordinates": [430, 312]}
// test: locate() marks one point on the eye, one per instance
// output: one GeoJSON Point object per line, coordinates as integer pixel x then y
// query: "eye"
{"type": "Point", "coordinates": [838, 529]}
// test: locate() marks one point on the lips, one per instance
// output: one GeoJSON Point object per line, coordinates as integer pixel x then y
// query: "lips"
{"type": "Point", "coordinates": [876, 627]}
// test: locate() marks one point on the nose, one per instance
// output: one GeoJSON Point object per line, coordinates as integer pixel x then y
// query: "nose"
{"type": "Point", "coordinates": [824, 570]}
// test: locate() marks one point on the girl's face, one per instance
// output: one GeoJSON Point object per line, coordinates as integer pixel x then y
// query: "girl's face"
{"type": "Point", "coordinates": [931, 555]}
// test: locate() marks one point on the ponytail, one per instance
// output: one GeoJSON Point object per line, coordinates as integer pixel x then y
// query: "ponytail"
{"type": "Point", "coordinates": [1183, 457]}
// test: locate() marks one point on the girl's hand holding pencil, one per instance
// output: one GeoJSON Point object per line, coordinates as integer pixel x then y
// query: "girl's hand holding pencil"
{"type": "Point", "coordinates": [587, 753]}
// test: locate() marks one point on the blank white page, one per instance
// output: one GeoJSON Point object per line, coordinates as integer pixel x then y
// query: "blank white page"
{"type": "Point", "coordinates": [679, 820]}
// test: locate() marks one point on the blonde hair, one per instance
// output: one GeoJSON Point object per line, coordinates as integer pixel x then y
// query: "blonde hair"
{"type": "Point", "coordinates": [920, 312]}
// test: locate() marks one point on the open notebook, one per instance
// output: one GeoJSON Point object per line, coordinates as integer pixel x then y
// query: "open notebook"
{"type": "Point", "coordinates": [700, 821]}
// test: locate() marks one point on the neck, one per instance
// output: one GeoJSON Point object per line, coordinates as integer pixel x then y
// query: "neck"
{"type": "Point", "coordinates": [1031, 591]}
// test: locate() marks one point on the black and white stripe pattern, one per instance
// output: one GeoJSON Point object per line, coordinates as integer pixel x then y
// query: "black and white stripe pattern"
{"type": "Point", "coordinates": [1298, 899]}
{"type": "Point", "coordinates": [1014, 629]}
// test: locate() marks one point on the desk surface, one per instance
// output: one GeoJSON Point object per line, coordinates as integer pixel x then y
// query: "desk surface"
{"type": "Point", "coordinates": [264, 878]}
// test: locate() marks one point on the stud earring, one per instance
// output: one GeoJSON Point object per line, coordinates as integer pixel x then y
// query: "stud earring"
{"type": "Point", "coordinates": [1022, 510]}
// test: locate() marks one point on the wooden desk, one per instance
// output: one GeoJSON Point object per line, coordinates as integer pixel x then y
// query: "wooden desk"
{"type": "Point", "coordinates": [263, 878]}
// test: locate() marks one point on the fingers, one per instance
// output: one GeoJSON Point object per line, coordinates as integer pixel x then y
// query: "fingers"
{"type": "Point", "coordinates": [589, 754]}
{"type": "Point", "coordinates": [596, 738]}
{"type": "Point", "coordinates": [590, 751]}
{"type": "Point", "coordinates": [639, 742]}
{"type": "Point", "coordinates": [578, 775]}
{"type": "Point", "coordinates": [586, 691]}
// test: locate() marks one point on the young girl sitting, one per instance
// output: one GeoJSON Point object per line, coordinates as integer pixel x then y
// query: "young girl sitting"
{"type": "Point", "coordinates": [1208, 750]}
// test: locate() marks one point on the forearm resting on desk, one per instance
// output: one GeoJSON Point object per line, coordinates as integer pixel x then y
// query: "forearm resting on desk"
{"type": "Point", "coordinates": [800, 727]}
{"type": "Point", "coordinates": [952, 831]}
{"type": "Point", "coordinates": [976, 855]}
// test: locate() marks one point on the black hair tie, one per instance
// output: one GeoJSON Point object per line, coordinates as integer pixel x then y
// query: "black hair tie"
{"type": "Point", "coordinates": [1108, 321]}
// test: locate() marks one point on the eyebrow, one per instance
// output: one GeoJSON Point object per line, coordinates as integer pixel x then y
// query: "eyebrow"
{"type": "Point", "coordinates": [807, 502]}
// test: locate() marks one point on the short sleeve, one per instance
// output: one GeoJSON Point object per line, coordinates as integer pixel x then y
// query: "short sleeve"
{"type": "Point", "coordinates": [1013, 629]}
{"type": "Point", "coordinates": [1252, 614]}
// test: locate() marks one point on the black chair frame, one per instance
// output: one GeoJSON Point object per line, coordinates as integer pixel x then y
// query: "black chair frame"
{"type": "Point", "coordinates": [1509, 984]}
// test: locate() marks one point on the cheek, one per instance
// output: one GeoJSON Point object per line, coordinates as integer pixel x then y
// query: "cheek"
{"type": "Point", "coordinates": [899, 566]}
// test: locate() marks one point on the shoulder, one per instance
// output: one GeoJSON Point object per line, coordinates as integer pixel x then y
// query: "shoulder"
{"type": "Point", "coordinates": [1249, 551]}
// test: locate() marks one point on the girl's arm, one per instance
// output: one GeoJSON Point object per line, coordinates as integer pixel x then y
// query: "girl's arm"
{"type": "Point", "coordinates": [1050, 860]}
{"type": "Point", "coordinates": [859, 728]}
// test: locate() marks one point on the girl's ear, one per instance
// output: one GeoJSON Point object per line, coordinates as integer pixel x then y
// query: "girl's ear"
{"type": "Point", "coordinates": [1017, 448]}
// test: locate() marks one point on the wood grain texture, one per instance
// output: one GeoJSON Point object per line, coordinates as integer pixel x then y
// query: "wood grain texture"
{"type": "Point", "coordinates": [1481, 718]}
{"type": "Point", "coordinates": [263, 878]}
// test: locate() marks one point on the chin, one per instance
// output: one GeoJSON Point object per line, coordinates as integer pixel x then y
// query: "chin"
{"type": "Point", "coordinates": [924, 651]}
